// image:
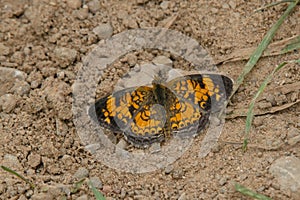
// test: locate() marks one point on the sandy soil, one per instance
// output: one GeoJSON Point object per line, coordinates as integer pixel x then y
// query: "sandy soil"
{"type": "Point", "coordinates": [47, 42]}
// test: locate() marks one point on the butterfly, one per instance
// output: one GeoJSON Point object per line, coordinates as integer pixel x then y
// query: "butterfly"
{"type": "Point", "coordinates": [149, 114]}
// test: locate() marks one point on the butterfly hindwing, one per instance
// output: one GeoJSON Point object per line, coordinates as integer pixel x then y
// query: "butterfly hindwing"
{"type": "Point", "coordinates": [195, 96]}
{"type": "Point", "coordinates": [131, 112]}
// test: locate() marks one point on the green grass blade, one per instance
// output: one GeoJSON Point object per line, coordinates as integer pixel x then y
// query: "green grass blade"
{"type": "Point", "coordinates": [245, 191]}
{"type": "Point", "coordinates": [97, 194]}
{"type": "Point", "coordinates": [272, 4]}
{"type": "Point", "coordinates": [250, 113]}
{"type": "Point", "coordinates": [262, 46]}
{"type": "Point", "coordinates": [18, 175]}
{"type": "Point", "coordinates": [77, 186]}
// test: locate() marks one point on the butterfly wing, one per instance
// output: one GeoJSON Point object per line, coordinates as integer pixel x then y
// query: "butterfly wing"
{"type": "Point", "coordinates": [131, 112]}
{"type": "Point", "coordinates": [196, 95]}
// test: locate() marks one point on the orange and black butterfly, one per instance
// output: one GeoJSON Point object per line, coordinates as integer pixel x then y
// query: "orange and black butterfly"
{"type": "Point", "coordinates": [149, 114]}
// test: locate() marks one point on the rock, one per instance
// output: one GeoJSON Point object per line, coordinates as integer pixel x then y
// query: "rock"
{"type": "Point", "coordinates": [131, 60]}
{"type": "Point", "coordinates": [61, 128]}
{"type": "Point", "coordinates": [293, 132]}
{"type": "Point", "coordinates": [182, 196]}
{"type": "Point", "coordinates": [96, 182]}
{"type": "Point", "coordinates": [225, 6]}
{"type": "Point", "coordinates": [94, 6]}
{"type": "Point", "coordinates": [222, 181]}
{"type": "Point", "coordinates": [169, 169]}
{"type": "Point", "coordinates": [59, 190]}
{"type": "Point", "coordinates": [12, 80]}
{"type": "Point", "coordinates": [4, 50]}
{"type": "Point", "coordinates": [11, 162]}
{"type": "Point", "coordinates": [232, 4]}
{"type": "Point", "coordinates": [64, 56]}
{"type": "Point", "coordinates": [178, 174]}
{"type": "Point", "coordinates": [270, 98]}
{"type": "Point", "coordinates": [264, 105]}
{"type": "Point", "coordinates": [287, 172]}
{"type": "Point", "coordinates": [74, 4]}
{"type": "Point", "coordinates": [7, 103]}
{"type": "Point", "coordinates": [155, 148]}
{"type": "Point", "coordinates": [164, 5]}
{"type": "Point", "coordinates": [162, 60]}
{"type": "Point", "coordinates": [294, 96]}
{"type": "Point", "coordinates": [81, 173]}
{"type": "Point", "coordinates": [130, 22]}
{"type": "Point", "coordinates": [123, 193]}
{"type": "Point", "coordinates": [56, 91]}
{"type": "Point", "coordinates": [17, 57]}
{"type": "Point", "coordinates": [41, 196]}
{"type": "Point", "coordinates": [83, 197]}
{"type": "Point", "coordinates": [34, 160]}
{"type": "Point", "coordinates": [107, 189]}
{"type": "Point", "coordinates": [83, 13]}
{"type": "Point", "coordinates": [280, 99]}
{"type": "Point", "coordinates": [21, 88]}
{"type": "Point", "coordinates": [103, 31]}
{"type": "Point", "coordinates": [122, 144]}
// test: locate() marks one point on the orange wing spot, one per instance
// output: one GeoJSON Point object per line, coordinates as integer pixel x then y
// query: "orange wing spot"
{"type": "Point", "coordinates": [105, 113]}
{"type": "Point", "coordinates": [120, 116]}
{"type": "Point", "coordinates": [203, 91]}
{"type": "Point", "coordinates": [198, 97]}
{"type": "Point", "coordinates": [211, 93]}
{"type": "Point", "coordinates": [136, 106]}
{"type": "Point", "coordinates": [147, 113]}
{"type": "Point", "coordinates": [135, 98]}
{"type": "Point", "coordinates": [186, 95]}
{"type": "Point", "coordinates": [202, 105]}
{"type": "Point", "coordinates": [107, 120]}
{"type": "Point", "coordinates": [177, 106]}
{"type": "Point", "coordinates": [205, 97]}
{"type": "Point", "coordinates": [181, 124]}
{"type": "Point", "coordinates": [176, 118]}
{"type": "Point", "coordinates": [174, 126]}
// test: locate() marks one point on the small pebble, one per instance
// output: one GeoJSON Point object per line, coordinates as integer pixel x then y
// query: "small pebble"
{"type": "Point", "coordinates": [66, 56]}
{"type": "Point", "coordinates": [131, 59]}
{"type": "Point", "coordinates": [7, 103]}
{"type": "Point", "coordinates": [74, 4]}
{"type": "Point", "coordinates": [94, 6]}
{"type": "Point", "coordinates": [222, 181]}
{"type": "Point", "coordinates": [232, 4]}
{"type": "Point", "coordinates": [96, 182]}
{"type": "Point", "coordinates": [155, 148]}
{"type": "Point", "coordinates": [264, 105]}
{"type": "Point", "coordinates": [164, 5]}
{"type": "Point", "coordinates": [107, 189]}
{"type": "Point", "coordinates": [81, 173]}
{"type": "Point", "coordinates": [162, 60]}
{"type": "Point", "coordinates": [34, 160]}
{"type": "Point", "coordinates": [83, 197]}
{"type": "Point", "coordinates": [103, 31]}
{"type": "Point", "coordinates": [182, 197]}
{"type": "Point", "coordinates": [4, 50]}
{"type": "Point", "coordinates": [82, 13]}
{"type": "Point", "coordinates": [169, 169]}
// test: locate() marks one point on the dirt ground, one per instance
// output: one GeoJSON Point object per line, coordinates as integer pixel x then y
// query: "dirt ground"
{"type": "Point", "coordinates": [47, 41]}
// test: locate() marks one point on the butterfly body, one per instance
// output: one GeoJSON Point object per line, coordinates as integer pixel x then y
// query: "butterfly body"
{"type": "Point", "coordinates": [149, 114]}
